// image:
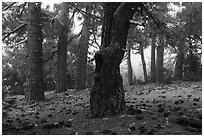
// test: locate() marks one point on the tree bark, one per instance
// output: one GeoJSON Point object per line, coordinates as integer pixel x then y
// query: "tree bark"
{"type": "Point", "coordinates": [153, 75]}
{"type": "Point", "coordinates": [159, 61]}
{"type": "Point", "coordinates": [34, 92]}
{"type": "Point", "coordinates": [143, 63]}
{"type": "Point", "coordinates": [178, 74]}
{"type": "Point", "coordinates": [109, 9]}
{"type": "Point", "coordinates": [107, 96]}
{"type": "Point", "coordinates": [62, 27]}
{"type": "Point", "coordinates": [80, 82]}
{"type": "Point", "coordinates": [130, 79]}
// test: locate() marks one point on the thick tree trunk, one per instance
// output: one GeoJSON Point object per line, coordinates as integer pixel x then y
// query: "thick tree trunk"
{"type": "Point", "coordinates": [109, 10]}
{"type": "Point", "coordinates": [35, 84]}
{"type": "Point", "coordinates": [130, 78]}
{"type": "Point", "coordinates": [107, 96]}
{"type": "Point", "coordinates": [153, 70]}
{"type": "Point", "coordinates": [178, 74]}
{"type": "Point", "coordinates": [159, 62]}
{"type": "Point", "coordinates": [143, 63]}
{"type": "Point", "coordinates": [62, 27]}
{"type": "Point", "coordinates": [80, 82]}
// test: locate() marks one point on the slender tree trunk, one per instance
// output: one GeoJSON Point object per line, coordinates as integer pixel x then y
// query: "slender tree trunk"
{"type": "Point", "coordinates": [35, 84]}
{"type": "Point", "coordinates": [153, 75]}
{"type": "Point", "coordinates": [62, 27]}
{"type": "Point", "coordinates": [143, 63]}
{"type": "Point", "coordinates": [159, 61]}
{"type": "Point", "coordinates": [80, 82]}
{"type": "Point", "coordinates": [178, 74]}
{"type": "Point", "coordinates": [107, 96]}
{"type": "Point", "coordinates": [130, 79]}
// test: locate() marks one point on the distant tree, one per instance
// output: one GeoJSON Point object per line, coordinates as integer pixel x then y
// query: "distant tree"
{"type": "Point", "coordinates": [62, 27]}
{"type": "Point", "coordinates": [178, 73]}
{"type": "Point", "coordinates": [160, 11]}
{"type": "Point", "coordinates": [192, 62]}
{"type": "Point", "coordinates": [35, 84]}
{"type": "Point", "coordinates": [129, 64]}
{"type": "Point", "coordinates": [141, 48]}
{"type": "Point", "coordinates": [80, 81]}
{"type": "Point", "coordinates": [137, 37]}
{"type": "Point", "coordinates": [160, 59]}
{"type": "Point", "coordinates": [153, 67]}
{"type": "Point", "coordinates": [189, 24]}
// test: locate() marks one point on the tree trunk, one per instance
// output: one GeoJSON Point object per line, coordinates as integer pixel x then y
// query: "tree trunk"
{"type": "Point", "coordinates": [109, 9]}
{"type": "Point", "coordinates": [80, 82]}
{"type": "Point", "coordinates": [143, 63]}
{"type": "Point", "coordinates": [159, 61]}
{"type": "Point", "coordinates": [153, 75]}
{"type": "Point", "coordinates": [35, 84]}
{"type": "Point", "coordinates": [130, 79]}
{"type": "Point", "coordinates": [107, 96]}
{"type": "Point", "coordinates": [62, 27]}
{"type": "Point", "coordinates": [178, 74]}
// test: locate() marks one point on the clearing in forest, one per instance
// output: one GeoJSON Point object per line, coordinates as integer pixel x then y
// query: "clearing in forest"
{"type": "Point", "coordinates": [156, 109]}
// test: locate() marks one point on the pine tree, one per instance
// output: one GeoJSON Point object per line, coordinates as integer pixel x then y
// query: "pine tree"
{"type": "Point", "coordinates": [35, 84]}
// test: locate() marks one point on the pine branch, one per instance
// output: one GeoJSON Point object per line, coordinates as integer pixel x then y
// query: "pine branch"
{"type": "Point", "coordinates": [69, 41]}
{"type": "Point", "coordinates": [9, 6]}
{"type": "Point", "coordinates": [136, 23]}
{"type": "Point", "coordinates": [121, 6]}
{"type": "Point", "coordinates": [93, 46]}
{"type": "Point", "coordinates": [198, 37]}
{"type": "Point", "coordinates": [94, 37]}
{"type": "Point", "coordinates": [16, 35]}
{"type": "Point", "coordinates": [50, 57]}
{"type": "Point", "coordinates": [85, 13]}
{"type": "Point", "coordinates": [156, 21]}
{"type": "Point", "coordinates": [161, 25]}
{"type": "Point", "coordinates": [73, 37]}
{"type": "Point", "coordinates": [52, 67]}
{"type": "Point", "coordinates": [21, 42]}
{"type": "Point", "coordinates": [22, 9]}
{"type": "Point", "coordinates": [96, 42]}
{"type": "Point", "coordinates": [22, 26]}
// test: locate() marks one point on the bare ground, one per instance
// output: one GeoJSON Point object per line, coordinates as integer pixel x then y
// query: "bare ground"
{"type": "Point", "coordinates": [158, 109]}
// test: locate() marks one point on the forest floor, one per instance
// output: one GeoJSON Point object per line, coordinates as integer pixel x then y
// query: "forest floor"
{"type": "Point", "coordinates": [154, 109]}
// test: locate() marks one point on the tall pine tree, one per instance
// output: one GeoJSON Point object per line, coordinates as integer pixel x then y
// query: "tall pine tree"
{"type": "Point", "coordinates": [35, 84]}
